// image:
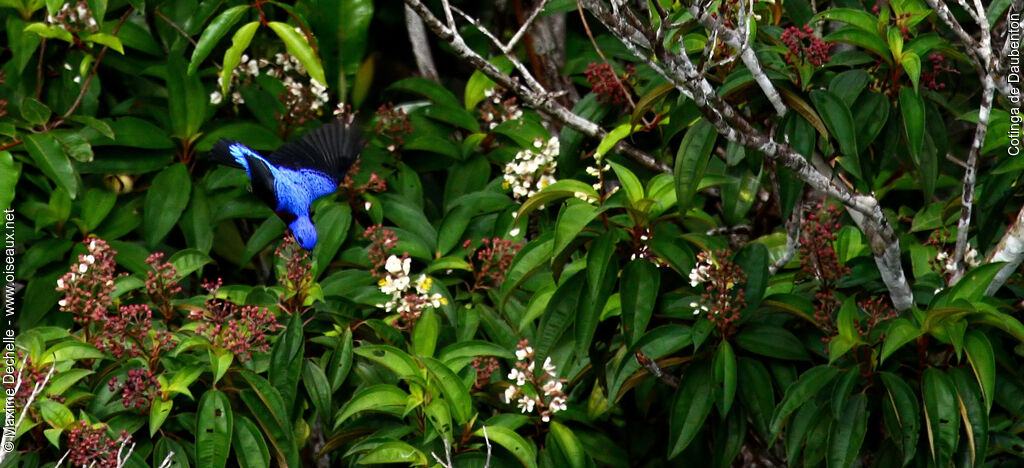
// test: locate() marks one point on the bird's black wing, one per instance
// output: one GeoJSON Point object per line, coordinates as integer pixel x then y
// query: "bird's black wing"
{"type": "Point", "coordinates": [263, 181]}
{"type": "Point", "coordinates": [330, 149]}
{"type": "Point", "coordinates": [221, 153]}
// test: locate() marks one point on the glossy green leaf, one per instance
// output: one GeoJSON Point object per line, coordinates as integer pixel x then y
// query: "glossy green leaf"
{"type": "Point", "coordinates": [900, 332]}
{"type": "Point", "coordinates": [158, 412]}
{"type": "Point", "coordinates": [941, 413]}
{"type": "Point", "coordinates": [806, 387]}
{"type": "Point", "coordinates": [233, 56]}
{"type": "Point", "coordinates": [166, 199]}
{"type": "Point", "coordinates": [213, 429]}
{"type": "Point", "coordinates": [49, 158]}
{"type": "Point", "coordinates": [381, 397]}
{"type": "Point", "coordinates": [394, 451]}
{"type": "Point", "coordinates": [725, 374]}
{"type": "Point", "coordinates": [569, 444]}
{"type": "Point", "coordinates": [839, 120]}
{"type": "Point", "coordinates": [213, 33]}
{"type": "Point", "coordinates": [691, 162]}
{"type": "Point", "coordinates": [846, 435]}
{"type": "Point", "coordinates": [771, 341]}
{"type": "Point", "coordinates": [974, 413]}
{"type": "Point", "coordinates": [571, 220]}
{"type": "Point", "coordinates": [902, 414]}
{"type": "Point", "coordinates": [332, 224]}
{"type": "Point", "coordinates": [912, 107]}
{"type": "Point", "coordinates": [982, 358]}
{"type": "Point", "coordinates": [690, 408]}
{"type": "Point", "coordinates": [298, 46]}
{"type": "Point", "coordinates": [638, 291]}
{"type": "Point", "coordinates": [248, 443]}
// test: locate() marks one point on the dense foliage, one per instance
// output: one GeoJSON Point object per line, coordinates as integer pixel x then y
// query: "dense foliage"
{"type": "Point", "coordinates": [493, 286]}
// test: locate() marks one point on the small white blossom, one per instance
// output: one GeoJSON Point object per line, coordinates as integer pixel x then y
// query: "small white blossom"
{"type": "Point", "coordinates": [82, 268]}
{"type": "Point", "coordinates": [514, 232]}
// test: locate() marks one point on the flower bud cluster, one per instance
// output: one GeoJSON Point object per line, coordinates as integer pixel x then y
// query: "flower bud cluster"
{"type": "Point", "coordinates": [138, 390]}
{"type": "Point", "coordinates": [408, 298]}
{"type": "Point", "coordinates": [161, 282]}
{"type": "Point", "coordinates": [606, 84]}
{"type": "Point", "coordinates": [354, 190]}
{"type": "Point", "coordinates": [532, 169]}
{"type": "Point", "coordinates": [485, 366]}
{"type": "Point", "coordinates": [393, 125]}
{"type": "Point", "coordinates": [818, 258]}
{"type": "Point", "coordinates": [239, 329]}
{"type": "Point", "coordinates": [89, 284]}
{"type": "Point", "coordinates": [723, 298]}
{"type": "Point", "coordinates": [295, 277]}
{"type": "Point", "coordinates": [127, 333]}
{"type": "Point", "coordinates": [382, 240]}
{"type": "Point", "coordinates": [805, 47]}
{"type": "Point", "coordinates": [90, 446]}
{"type": "Point", "coordinates": [491, 261]}
{"type": "Point", "coordinates": [532, 390]}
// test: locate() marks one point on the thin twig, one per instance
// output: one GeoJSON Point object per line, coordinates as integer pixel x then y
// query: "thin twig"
{"type": "Point", "coordinates": [92, 71]}
{"type": "Point", "coordinates": [522, 29]}
{"type": "Point", "coordinates": [656, 370]}
{"type": "Point", "coordinates": [175, 26]}
{"type": "Point", "coordinates": [487, 441]}
{"type": "Point", "coordinates": [168, 460]}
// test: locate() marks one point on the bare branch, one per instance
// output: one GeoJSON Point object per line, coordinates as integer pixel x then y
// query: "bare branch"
{"type": "Point", "coordinates": [1010, 249]}
{"type": "Point", "coordinates": [420, 45]}
{"type": "Point", "coordinates": [487, 440]}
{"type": "Point", "coordinates": [970, 176]}
{"type": "Point", "coordinates": [792, 238]}
{"type": "Point", "coordinates": [522, 29]}
{"type": "Point", "coordinates": [541, 101]}
{"type": "Point", "coordinates": [168, 460]}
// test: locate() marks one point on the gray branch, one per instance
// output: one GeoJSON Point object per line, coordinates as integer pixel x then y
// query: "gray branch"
{"type": "Point", "coordinates": [420, 45]}
{"type": "Point", "coordinates": [1010, 249]}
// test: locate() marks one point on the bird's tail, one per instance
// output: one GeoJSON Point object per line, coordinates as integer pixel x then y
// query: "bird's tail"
{"type": "Point", "coordinates": [221, 153]}
{"type": "Point", "coordinates": [330, 148]}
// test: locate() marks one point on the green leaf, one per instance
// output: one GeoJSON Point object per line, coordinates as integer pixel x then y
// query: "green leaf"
{"type": "Point", "coordinates": [806, 387]}
{"type": "Point", "coordinates": [569, 444]}
{"type": "Point", "coordinates": [839, 120]}
{"type": "Point", "coordinates": [187, 261]}
{"type": "Point", "coordinates": [638, 291]}
{"type": "Point", "coordinates": [847, 433]}
{"type": "Point", "coordinates": [213, 429]}
{"type": "Point", "coordinates": [479, 83]}
{"type": "Point", "coordinates": [602, 269]}
{"type": "Point", "coordinates": [900, 332]}
{"type": "Point", "coordinates": [332, 222]}
{"type": "Point", "coordinates": [50, 32]}
{"type": "Point", "coordinates": [974, 412]}
{"type": "Point", "coordinates": [691, 162]}
{"type": "Point", "coordinates": [106, 40]}
{"type": "Point", "coordinates": [559, 315]}
{"type": "Point", "coordinates": [35, 112]}
{"type": "Point", "coordinates": [571, 220]}
{"type": "Point", "coordinates": [249, 445]}
{"type": "Point", "coordinates": [286, 359]}
{"type": "Point", "coordinates": [166, 199]}
{"type": "Point", "coordinates": [471, 349]}
{"type": "Point", "coordinates": [298, 46]}
{"type": "Point", "coordinates": [398, 361]}
{"type": "Point", "coordinates": [630, 183]}
{"type": "Point", "coordinates": [425, 333]}
{"type": "Point", "coordinates": [870, 113]}
{"type": "Point", "coordinates": [912, 107]}
{"type": "Point", "coordinates": [158, 412]}
{"type": "Point", "coordinates": [912, 64]}
{"type": "Point", "coordinates": [394, 451]}
{"type": "Point", "coordinates": [864, 39]}
{"type": "Point", "coordinates": [941, 414]}
{"type": "Point", "coordinates": [55, 414]}
{"type": "Point", "coordinates": [10, 172]}
{"type": "Point", "coordinates": [428, 89]}
{"type": "Point", "coordinates": [724, 366]}
{"type": "Point", "coordinates": [972, 286]}
{"type": "Point", "coordinates": [982, 359]}
{"type": "Point", "coordinates": [239, 42]}
{"type": "Point", "coordinates": [213, 33]}
{"type": "Point", "coordinates": [382, 397]}
{"type": "Point", "coordinates": [859, 18]}
{"type": "Point", "coordinates": [690, 408]}
{"type": "Point", "coordinates": [611, 139]}
{"type": "Point", "coordinates": [186, 100]}
{"type": "Point", "coordinates": [771, 341]}
{"type": "Point", "coordinates": [266, 404]}
{"type": "Point", "coordinates": [512, 442]}
{"type": "Point", "coordinates": [902, 414]}
{"type": "Point", "coordinates": [49, 158]}
{"type": "Point", "coordinates": [756, 393]}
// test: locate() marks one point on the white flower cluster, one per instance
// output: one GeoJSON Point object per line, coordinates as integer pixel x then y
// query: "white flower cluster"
{"type": "Point", "coordinates": [497, 110]}
{"type": "Point", "coordinates": [408, 298]}
{"type": "Point", "coordinates": [532, 169]}
{"type": "Point", "coordinates": [946, 260]}
{"type": "Point", "coordinates": [530, 391]}
{"type": "Point", "coordinates": [74, 17]}
{"type": "Point", "coordinates": [702, 271]}
{"type": "Point", "coordinates": [285, 67]}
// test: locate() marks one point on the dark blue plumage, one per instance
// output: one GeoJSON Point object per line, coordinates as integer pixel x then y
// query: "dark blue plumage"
{"type": "Point", "coordinates": [298, 173]}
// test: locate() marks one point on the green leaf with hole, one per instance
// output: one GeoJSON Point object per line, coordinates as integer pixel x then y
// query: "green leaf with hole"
{"type": "Point", "coordinates": [213, 429]}
{"type": "Point", "coordinates": [941, 415]}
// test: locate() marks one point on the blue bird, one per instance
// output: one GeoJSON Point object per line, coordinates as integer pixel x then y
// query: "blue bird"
{"type": "Point", "coordinates": [298, 173]}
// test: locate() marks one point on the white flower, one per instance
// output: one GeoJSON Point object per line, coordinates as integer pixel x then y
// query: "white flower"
{"type": "Point", "coordinates": [510, 393]}
{"type": "Point", "coordinates": [396, 265]}
{"type": "Point", "coordinates": [216, 98]}
{"type": "Point", "coordinates": [60, 283]}
{"type": "Point", "coordinates": [90, 259]}
{"type": "Point", "coordinates": [552, 386]}
{"type": "Point", "coordinates": [548, 366]}
{"type": "Point", "coordinates": [522, 354]}
{"type": "Point", "coordinates": [82, 268]}
{"type": "Point", "coordinates": [367, 205]}
{"type": "Point", "coordinates": [971, 258]}
{"type": "Point", "coordinates": [62, 302]}
{"type": "Point", "coordinates": [526, 404]}
{"type": "Point", "coordinates": [514, 232]}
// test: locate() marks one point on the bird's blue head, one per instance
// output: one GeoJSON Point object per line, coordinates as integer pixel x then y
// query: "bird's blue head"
{"type": "Point", "coordinates": [304, 231]}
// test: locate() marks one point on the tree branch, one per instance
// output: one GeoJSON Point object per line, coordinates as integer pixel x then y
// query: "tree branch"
{"type": "Point", "coordinates": [540, 100]}
{"type": "Point", "coordinates": [420, 46]}
{"type": "Point", "coordinates": [678, 69]}
{"type": "Point", "coordinates": [1010, 249]}
{"type": "Point", "coordinates": [970, 176]}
